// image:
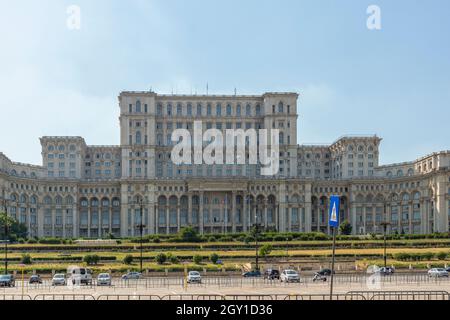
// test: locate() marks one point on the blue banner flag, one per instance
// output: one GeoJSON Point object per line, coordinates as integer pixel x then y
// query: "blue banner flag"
{"type": "Point", "coordinates": [334, 211]}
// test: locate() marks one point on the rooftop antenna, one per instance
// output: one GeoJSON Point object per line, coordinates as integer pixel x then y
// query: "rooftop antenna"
{"type": "Point", "coordinates": [207, 88]}
{"type": "Point", "coordinates": [235, 91]}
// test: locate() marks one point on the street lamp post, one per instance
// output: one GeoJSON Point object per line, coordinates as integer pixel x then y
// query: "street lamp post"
{"type": "Point", "coordinates": [256, 246]}
{"type": "Point", "coordinates": [385, 224]}
{"type": "Point", "coordinates": [6, 235]}
{"type": "Point", "coordinates": [141, 227]}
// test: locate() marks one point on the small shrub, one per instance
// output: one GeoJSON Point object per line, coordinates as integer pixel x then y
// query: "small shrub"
{"type": "Point", "coordinates": [128, 259]}
{"type": "Point", "coordinates": [197, 259]}
{"type": "Point", "coordinates": [26, 259]}
{"type": "Point", "coordinates": [91, 259]}
{"type": "Point", "coordinates": [214, 258]}
{"type": "Point", "coordinates": [441, 255]}
{"type": "Point", "coordinates": [160, 258]}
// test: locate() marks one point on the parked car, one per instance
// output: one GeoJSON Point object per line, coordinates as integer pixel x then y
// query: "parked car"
{"type": "Point", "coordinates": [59, 279]}
{"type": "Point", "coordinates": [386, 271]}
{"type": "Point", "coordinates": [104, 279]}
{"type": "Point", "coordinates": [79, 275]}
{"type": "Point", "coordinates": [194, 277]}
{"type": "Point", "coordinates": [132, 276]}
{"type": "Point", "coordinates": [272, 274]}
{"type": "Point", "coordinates": [289, 276]}
{"type": "Point", "coordinates": [35, 279]}
{"type": "Point", "coordinates": [252, 274]}
{"type": "Point", "coordinates": [7, 280]}
{"type": "Point", "coordinates": [447, 269]}
{"type": "Point", "coordinates": [437, 273]}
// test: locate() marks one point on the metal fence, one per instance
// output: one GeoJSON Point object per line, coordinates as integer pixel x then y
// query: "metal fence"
{"type": "Point", "coordinates": [402, 295]}
{"type": "Point", "coordinates": [239, 282]}
{"type": "Point", "coordinates": [352, 295]}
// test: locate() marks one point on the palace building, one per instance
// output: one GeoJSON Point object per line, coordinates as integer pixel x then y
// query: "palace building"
{"type": "Point", "coordinates": [89, 191]}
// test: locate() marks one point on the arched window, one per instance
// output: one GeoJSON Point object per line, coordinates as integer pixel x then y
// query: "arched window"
{"type": "Point", "coordinates": [159, 109]}
{"type": "Point", "coordinates": [138, 137]}
{"type": "Point", "coordinates": [400, 173]}
{"type": "Point", "coordinates": [248, 110]}
{"type": "Point", "coordinates": [281, 138]}
{"type": "Point", "coordinates": [48, 200]}
{"type": "Point", "coordinates": [58, 200]}
{"type": "Point", "coordinates": [69, 200]}
{"type": "Point", "coordinates": [258, 110]}
{"type": "Point", "coordinates": [410, 172]}
{"type": "Point", "coordinates": [280, 107]}
{"type": "Point", "coordinates": [229, 111]}
{"type": "Point", "coordinates": [238, 110]}
{"type": "Point", "coordinates": [138, 106]}
{"type": "Point", "coordinates": [33, 200]}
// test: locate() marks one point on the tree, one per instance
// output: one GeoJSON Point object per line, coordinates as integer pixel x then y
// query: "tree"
{"type": "Point", "coordinates": [128, 259]}
{"type": "Point", "coordinates": [189, 234]}
{"type": "Point", "coordinates": [214, 258]}
{"type": "Point", "coordinates": [26, 259]}
{"type": "Point", "coordinates": [15, 229]}
{"type": "Point", "coordinates": [441, 255]}
{"type": "Point", "coordinates": [265, 250]}
{"type": "Point", "coordinates": [91, 259]}
{"type": "Point", "coordinates": [198, 259]}
{"type": "Point", "coordinates": [345, 228]}
{"type": "Point", "coordinates": [160, 258]}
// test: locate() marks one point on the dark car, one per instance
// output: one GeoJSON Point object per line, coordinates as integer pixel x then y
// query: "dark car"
{"type": "Point", "coordinates": [386, 271]}
{"type": "Point", "coordinates": [272, 274]}
{"type": "Point", "coordinates": [251, 274]}
{"type": "Point", "coordinates": [35, 279]}
{"type": "Point", "coordinates": [7, 280]}
{"type": "Point", "coordinates": [325, 272]}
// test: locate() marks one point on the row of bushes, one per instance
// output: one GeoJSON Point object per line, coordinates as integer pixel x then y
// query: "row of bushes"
{"type": "Point", "coordinates": [426, 256]}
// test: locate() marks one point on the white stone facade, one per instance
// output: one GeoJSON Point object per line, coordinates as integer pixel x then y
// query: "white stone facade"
{"type": "Point", "coordinates": [89, 191]}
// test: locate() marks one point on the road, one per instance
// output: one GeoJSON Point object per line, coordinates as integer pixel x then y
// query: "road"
{"type": "Point", "coordinates": [236, 286]}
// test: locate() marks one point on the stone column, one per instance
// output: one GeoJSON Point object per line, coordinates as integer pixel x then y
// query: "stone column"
{"type": "Point", "coordinates": [167, 220]}
{"type": "Point", "coordinates": [151, 218]}
{"type": "Point", "coordinates": [189, 217]}
{"type": "Point", "coordinates": [244, 213]}
{"type": "Point", "coordinates": [308, 216]}
{"type": "Point", "coordinates": [178, 217]}
{"type": "Point", "coordinates": [233, 212]}
{"type": "Point", "coordinates": [89, 218]}
{"type": "Point", "coordinates": [265, 213]}
{"type": "Point", "coordinates": [201, 217]}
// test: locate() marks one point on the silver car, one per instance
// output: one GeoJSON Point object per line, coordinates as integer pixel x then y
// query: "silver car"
{"type": "Point", "coordinates": [289, 276]}
{"type": "Point", "coordinates": [194, 277]}
{"type": "Point", "coordinates": [104, 279]}
{"type": "Point", "coordinates": [59, 279]}
{"type": "Point", "coordinates": [437, 273]}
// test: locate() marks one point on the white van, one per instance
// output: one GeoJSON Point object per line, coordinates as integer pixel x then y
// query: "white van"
{"type": "Point", "coordinates": [79, 275]}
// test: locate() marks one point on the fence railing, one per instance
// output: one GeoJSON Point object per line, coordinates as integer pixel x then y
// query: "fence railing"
{"type": "Point", "coordinates": [352, 295]}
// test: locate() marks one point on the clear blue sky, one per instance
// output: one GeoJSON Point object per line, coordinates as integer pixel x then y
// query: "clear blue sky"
{"type": "Point", "coordinates": [394, 82]}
